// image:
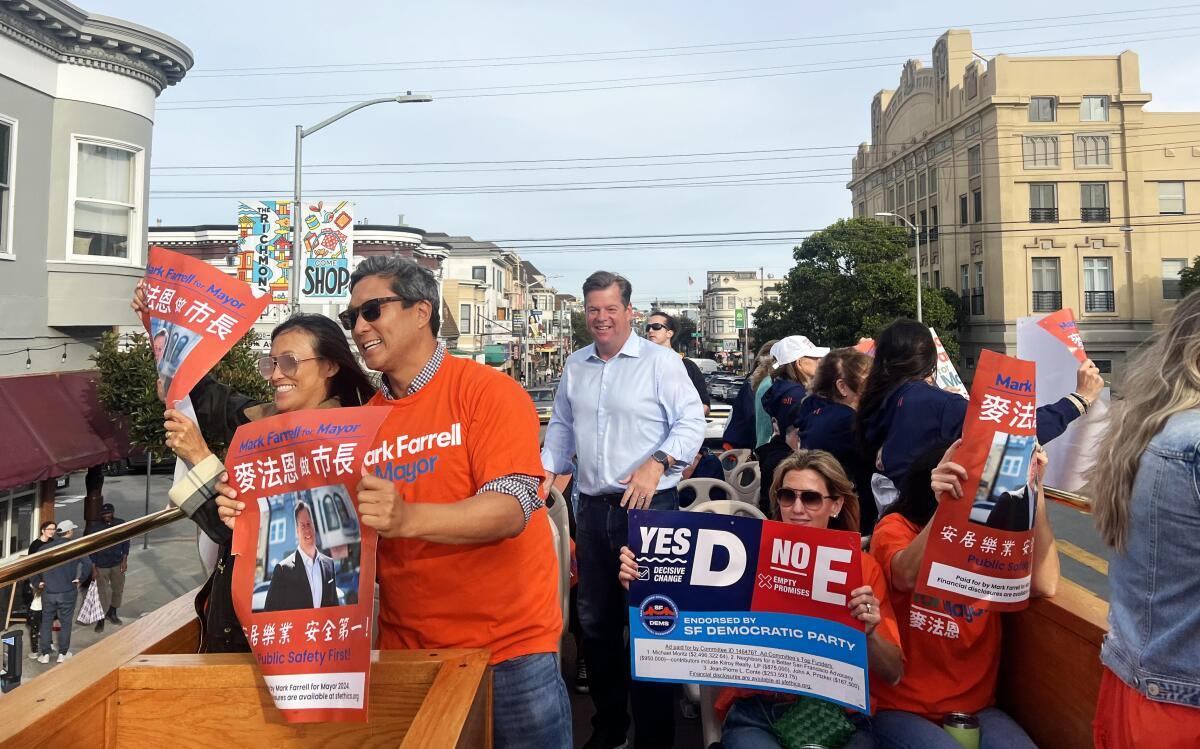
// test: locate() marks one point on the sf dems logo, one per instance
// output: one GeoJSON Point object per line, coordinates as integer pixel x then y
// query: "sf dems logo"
{"type": "Point", "coordinates": [395, 459]}
{"type": "Point", "coordinates": [659, 615]}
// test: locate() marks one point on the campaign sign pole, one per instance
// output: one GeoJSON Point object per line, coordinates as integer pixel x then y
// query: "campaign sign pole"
{"type": "Point", "coordinates": [980, 550]}
{"type": "Point", "coordinates": [746, 603]}
{"type": "Point", "coordinates": [304, 564]}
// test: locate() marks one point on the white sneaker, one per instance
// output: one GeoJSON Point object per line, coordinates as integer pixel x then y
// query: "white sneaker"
{"type": "Point", "coordinates": [34, 655]}
{"type": "Point", "coordinates": [44, 658]}
{"type": "Point", "coordinates": [63, 656]}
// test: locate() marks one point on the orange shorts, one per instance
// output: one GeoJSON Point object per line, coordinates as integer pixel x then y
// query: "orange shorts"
{"type": "Point", "coordinates": [1125, 719]}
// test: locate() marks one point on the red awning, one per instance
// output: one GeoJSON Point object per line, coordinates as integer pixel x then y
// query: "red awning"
{"type": "Point", "coordinates": [49, 426]}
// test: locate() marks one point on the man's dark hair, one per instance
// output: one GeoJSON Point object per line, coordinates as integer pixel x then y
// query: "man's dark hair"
{"type": "Point", "coordinates": [300, 505]}
{"type": "Point", "coordinates": [602, 279]}
{"type": "Point", "coordinates": [409, 281]}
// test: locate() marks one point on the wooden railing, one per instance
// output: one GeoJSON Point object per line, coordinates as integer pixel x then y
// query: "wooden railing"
{"type": "Point", "coordinates": [144, 687]}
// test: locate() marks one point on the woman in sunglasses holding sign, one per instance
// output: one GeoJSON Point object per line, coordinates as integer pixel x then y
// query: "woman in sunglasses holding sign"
{"type": "Point", "coordinates": [310, 366]}
{"type": "Point", "coordinates": [811, 489]}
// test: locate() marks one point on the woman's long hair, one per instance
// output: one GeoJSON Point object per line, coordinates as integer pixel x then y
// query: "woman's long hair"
{"type": "Point", "coordinates": [349, 384]}
{"type": "Point", "coordinates": [762, 364]}
{"type": "Point", "coordinates": [847, 364]}
{"type": "Point", "coordinates": [904, 351]}
{"type": "Point", "coordinates": [1161, 380]}
{"type": "Point", "coordinates": [836, 481]}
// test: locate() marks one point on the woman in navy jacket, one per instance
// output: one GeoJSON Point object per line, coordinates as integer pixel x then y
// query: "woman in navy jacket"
{"type": "Point", "coordinates": [901, 413]}
{"type": "Point", "coordinates": [825, 421]}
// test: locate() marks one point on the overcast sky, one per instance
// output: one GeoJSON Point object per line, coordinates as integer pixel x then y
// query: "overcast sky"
{"type": "Point", "coordinates": [800, 97]}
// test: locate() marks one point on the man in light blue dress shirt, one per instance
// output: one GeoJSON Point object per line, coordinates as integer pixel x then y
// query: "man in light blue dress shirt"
{"type": "Point", "coordinates": [627, 411]}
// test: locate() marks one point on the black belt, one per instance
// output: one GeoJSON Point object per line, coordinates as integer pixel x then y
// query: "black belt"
{"type": "Point", "coordinates": [613, 500]}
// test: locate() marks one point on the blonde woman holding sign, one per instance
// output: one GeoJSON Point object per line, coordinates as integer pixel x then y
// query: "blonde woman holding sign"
{"type": "Point", "coordinates": [811, 489]}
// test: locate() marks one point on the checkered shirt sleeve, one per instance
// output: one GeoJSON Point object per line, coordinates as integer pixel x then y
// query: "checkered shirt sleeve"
{"type": "Point", "coordinates": [521, 486]}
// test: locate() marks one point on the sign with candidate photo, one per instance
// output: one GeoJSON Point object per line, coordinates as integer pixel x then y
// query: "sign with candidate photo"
{"type": "Point", "coordinates": [304, 564]}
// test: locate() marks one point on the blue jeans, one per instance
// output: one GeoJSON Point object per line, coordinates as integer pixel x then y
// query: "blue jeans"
{"type": "Point", "coordinates": [896, 729]}
{"type": "Point", "coordinates": [748, 726]}
{"type": "Point", "coordinates": [62, 605]}
{"type": "Point", "coordinates": [529, 704]}
{"type": "Point", "coordinates": [603, 615]}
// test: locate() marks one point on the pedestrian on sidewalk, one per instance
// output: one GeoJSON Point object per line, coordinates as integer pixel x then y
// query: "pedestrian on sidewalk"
{"type": "Point", "coordinates": [109, 566]}
{"type": "Point", "coordinates": [60, 590]}
{"type": "Point", "coordinates": [626, 408]}
{"type": "Point", "coordinates": [33, 620]}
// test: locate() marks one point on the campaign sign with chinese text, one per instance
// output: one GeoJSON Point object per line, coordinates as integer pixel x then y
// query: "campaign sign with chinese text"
{"type": "Point", "coordinates": [265, 247]}
{"type": "Point", "coordinates": [304, 565]}
{"type": "Point", "coordinates": [980, 548]}
{"type": "Point", "coordinates": [746, 603]}
{"type": "Point", "coordinates": [1054, 343]}
{"type": "Point", "coordinates": [1062, 326]}
{"type": "Point", "coordinates": [946, 376]}
{"type": "Point", "coordinates": [197, 313]}
{"type": "Point", "coordinates": [326, 247]}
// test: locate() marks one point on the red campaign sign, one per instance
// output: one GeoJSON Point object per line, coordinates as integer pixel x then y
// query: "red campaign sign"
{"type": "Point", "coordinates": [980, 546]}
{"type": "Point", "coordinates": [304, 564]}
{"type": "Point", "coordinates": [808, 571]}
{"type": "Point", "coordinates": [1062, 326]}
{"type": "Point", "coordinates": [197, 313]}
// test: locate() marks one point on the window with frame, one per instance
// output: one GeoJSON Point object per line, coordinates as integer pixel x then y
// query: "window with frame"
{"type": "Point", "coordinates": [977, 197]}
{"type": "Point", "coordinates": [1093, 109]}
{"type": "Point", "coordinates": [1043, 202]}
{"type": "Point", "coordinates": [464, 318]}
{"type": "Point", "coordinates": [1171, 269]}
{"type": "Point", "coordinates": [718, 302]}
{"type": "Point", "coordinates": [1171, 199]}
{"type": "Point", "coordinates": [1040, 151]}
{"type": "Point", "coordinates": [900, 194]}
{"type": "Point", "coordinates": [1042, 108]}
{"type": "Point", "coordinates": [964, 278]}
{"type": "Point", "coordinates": [1093, 201]}
{"type": "Point", "coordinates": [979, 275]}
{"type": "Point", "coordinates": [891, 199]}
{"type": "Point", "coordinates": [974, 161]}
{"type": "Point", "coordinates": [479, 273]}
{"type": "Point", "coordinates": [498, 280]}
{"type": "Point", "coordinates": [6, 149]}
{"type": "Point", "coordinates": [1091, 150]}
{"type": "Point", "coordinates": [933, 186]}
{"type": "Point", "coordinates": [921, 185]}
{"type": "Point", "coordinates": [105, 203]}
{"type": "Point", "coordinates": [720, 326]}
{"type": "Point", "coordinates": [1098, 285]}
{"type": "Point", "coordinates": [962, 210]}
{"type": "Point", "coordinates": [1047, 284]}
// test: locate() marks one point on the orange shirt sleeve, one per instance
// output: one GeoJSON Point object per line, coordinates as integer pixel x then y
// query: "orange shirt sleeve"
{"type": "Point", "coordinates": [892, 535]}
{"type": "Point", "coordinates": [872, 575]}
{"type": "Point", "coordinates": [502, 436]}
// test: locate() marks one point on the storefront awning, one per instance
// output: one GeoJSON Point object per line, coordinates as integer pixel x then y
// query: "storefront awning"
{"type": "Point", "coordinates": [51, 425]}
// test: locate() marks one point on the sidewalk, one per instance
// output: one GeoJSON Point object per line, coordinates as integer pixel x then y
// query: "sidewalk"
{"type": "Point", "coordinates": [169, 568]}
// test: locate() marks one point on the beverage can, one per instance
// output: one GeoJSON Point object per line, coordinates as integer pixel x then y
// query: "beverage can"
{"type": "Point", "coordinates": [964, 728]}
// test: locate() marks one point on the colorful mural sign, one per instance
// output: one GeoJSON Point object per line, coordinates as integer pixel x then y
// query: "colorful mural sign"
{"type": "Point", "coordinates": [265, 246]}
{"type": "Point", "coordinates": [326, 247]}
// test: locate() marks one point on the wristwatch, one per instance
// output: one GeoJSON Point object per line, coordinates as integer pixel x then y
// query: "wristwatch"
{"type": "Point", "coordinates": [663, 458]}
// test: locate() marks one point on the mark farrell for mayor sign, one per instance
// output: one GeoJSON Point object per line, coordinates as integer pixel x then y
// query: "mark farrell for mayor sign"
{"type": "Point", "coordinates": [746, 603]}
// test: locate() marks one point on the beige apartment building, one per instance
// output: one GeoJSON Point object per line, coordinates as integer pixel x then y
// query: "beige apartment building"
{"type": "Point", "coordinates": [725, 292]}
{"type": "Point", "coordinates": [1038, 183]}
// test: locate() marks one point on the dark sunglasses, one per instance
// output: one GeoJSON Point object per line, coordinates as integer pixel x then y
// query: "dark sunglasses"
{"type": "Point", "coordinates": [288, 364]}
{"type": "Point", "coordinates": [810, 499]}
{"type": "Point", "coordinates": [656, 326]}
{"type": "Point", "coordinates": [370, 311]}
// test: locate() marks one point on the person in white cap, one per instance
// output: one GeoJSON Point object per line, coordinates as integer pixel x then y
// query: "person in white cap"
{"type": "Point", "coordinates": [796, 360]}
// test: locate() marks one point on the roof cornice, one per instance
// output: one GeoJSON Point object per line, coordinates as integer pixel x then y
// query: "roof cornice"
{"type": "Point", "coordinates": [70, 35]}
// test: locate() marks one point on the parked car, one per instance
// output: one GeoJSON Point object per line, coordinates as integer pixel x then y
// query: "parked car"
{"type": "Point", "coordinates": [715, 423]}
{"type": "Point", "coordinates": [707, 366]}
{"type": "Point", "coordinates": [543, 401]}
{"type": "Point", "coordinates": [726, 387]}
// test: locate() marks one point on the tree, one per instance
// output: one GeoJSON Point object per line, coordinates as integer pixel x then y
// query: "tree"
{"type": "Point", "coordinates": [580, 335]}
{"type": "Point", "coordinates": [683, 336]}
{"type": "Point", "coordinates": [850, 281]}
{"type": "Point", "coordinates": [1189, 278]}
{"type": "Point", "coordinates": [128, 386]}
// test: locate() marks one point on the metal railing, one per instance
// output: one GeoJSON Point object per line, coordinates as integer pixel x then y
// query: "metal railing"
{"type": "Point", "coordinates": [1094, 215]}
{"type": "Point", "coordinates": [19, 569]}
{"type": "Point", "coordinates": [1047, 301]}
{"type": "Point", "coordinates": [1043, 215]}
{"type": "Point", "coordinates": [1099, 301]}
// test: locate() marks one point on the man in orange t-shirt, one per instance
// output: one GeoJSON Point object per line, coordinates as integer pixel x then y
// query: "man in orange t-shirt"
{"type": "Point", "coordinates": [465, 552]}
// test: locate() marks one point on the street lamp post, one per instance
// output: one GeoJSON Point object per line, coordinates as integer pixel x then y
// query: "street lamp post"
{"type": "Point", "coordinates": [918, 235]}
{"type": "Point", "coordinates": [303, 132]}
